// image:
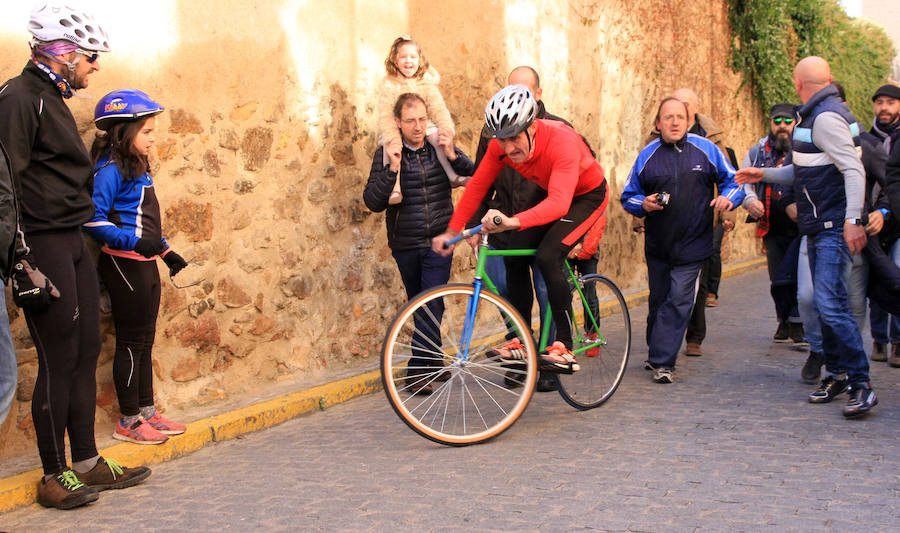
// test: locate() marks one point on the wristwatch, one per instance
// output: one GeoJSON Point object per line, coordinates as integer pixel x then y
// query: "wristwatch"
{"type": "Point", "coordinates": [854, 221]}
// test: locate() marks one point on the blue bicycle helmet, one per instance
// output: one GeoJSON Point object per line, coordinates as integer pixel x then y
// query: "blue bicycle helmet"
{"type": "Point", "coordinates": [124, 105]}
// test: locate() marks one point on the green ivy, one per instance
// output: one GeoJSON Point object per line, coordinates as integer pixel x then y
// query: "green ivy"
{"type": "Point", "coordinates": [770, 36]}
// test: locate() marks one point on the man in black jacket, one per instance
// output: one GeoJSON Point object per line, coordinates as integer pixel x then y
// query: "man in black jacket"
{"type": "Point", "coordinates": [424, 213]}
{"type": "Point", "coordinates": [51, 172]}
{"type": "Point", "coordinates": [885, 327]}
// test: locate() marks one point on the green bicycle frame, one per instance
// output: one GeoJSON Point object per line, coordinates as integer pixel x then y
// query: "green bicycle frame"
{"type": "Point", "coordinates": [483, 280]}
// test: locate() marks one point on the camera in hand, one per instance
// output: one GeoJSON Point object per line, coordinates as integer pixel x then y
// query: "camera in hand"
{"type": "Point", "coordinates": [662, 198]}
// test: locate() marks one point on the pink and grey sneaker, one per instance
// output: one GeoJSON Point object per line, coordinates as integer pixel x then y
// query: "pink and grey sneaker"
{"type": "Point", "coordinates": [166, 426]}
{"type": "Point", "coordinates": [140, 432]}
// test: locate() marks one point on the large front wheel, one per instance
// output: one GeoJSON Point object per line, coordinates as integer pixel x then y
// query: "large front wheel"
{"type": "Point", "coordinates": [469, 394]}
{"type": "Point", "coordinates": [601, 336]}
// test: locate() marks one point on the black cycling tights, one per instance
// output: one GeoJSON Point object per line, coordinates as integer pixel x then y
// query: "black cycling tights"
{"type": "Point", "coordinates": [553, 243]}
{"type": "Point", "coordinates": [67, 338]}
{"type": "Point", "coordinates": [134, 293]}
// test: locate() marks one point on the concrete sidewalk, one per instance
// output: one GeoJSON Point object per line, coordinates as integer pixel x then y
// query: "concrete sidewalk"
{"type": "Point", "coordinates": [20, 490]}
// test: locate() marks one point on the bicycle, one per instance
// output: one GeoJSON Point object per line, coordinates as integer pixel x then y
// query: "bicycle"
{"type": "Point", "coordinates": [477, 397]}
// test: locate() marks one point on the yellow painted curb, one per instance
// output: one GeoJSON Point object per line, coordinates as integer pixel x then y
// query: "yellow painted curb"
{"type": "Point", "coordinates": [21, 489]}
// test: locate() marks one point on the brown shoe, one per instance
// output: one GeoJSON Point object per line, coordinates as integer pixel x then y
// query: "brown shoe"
{"type": "Point", "coordinates": [711, 300]}
{"type": "Point", "coordinates": [693, 349]}
{"type": "Point", "coordinates": [108, 474]}
{"type": "Point", "coordinates": [879, 352]}
{"type": "Point", "coordinates": [417, 383]}
{"type": "Point", "coordinates": [65, 491]}
{"type": "Point", "coordinates": [894, 360]}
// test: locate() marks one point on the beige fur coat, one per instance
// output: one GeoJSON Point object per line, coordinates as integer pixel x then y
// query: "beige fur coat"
{"type": "Point", "coordinates": [427, 87]}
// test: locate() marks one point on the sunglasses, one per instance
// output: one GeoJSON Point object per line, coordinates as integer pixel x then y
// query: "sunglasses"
{"type": "Point", "coordinates": [779, 120]}
{"type": "Point", "coordinates": [91, 56]}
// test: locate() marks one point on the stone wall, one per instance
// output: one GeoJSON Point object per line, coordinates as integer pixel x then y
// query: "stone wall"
{"type": "Point", "coordinates": [266, 143]}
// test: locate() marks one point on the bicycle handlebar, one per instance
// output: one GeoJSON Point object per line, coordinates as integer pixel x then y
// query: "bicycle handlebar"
{"type": "Point", "coordinates": [471, 231]}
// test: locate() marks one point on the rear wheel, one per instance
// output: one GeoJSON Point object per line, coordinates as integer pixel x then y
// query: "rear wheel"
{"type": "Point", "coordinates": [601, 335]}
{"type": "Point", "coordinates": [470, 397]}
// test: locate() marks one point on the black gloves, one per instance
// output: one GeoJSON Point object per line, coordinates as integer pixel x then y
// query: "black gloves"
{"type": "Point", "coordinates": [149, 248]}
{"type": "Point", "coordinates": [30, 289]}
{"type": "Point", "coordinates": [175, 262]}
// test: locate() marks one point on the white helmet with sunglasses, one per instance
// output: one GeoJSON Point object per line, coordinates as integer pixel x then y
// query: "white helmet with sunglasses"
{"type": "Point", "coordinates": [53, 21]}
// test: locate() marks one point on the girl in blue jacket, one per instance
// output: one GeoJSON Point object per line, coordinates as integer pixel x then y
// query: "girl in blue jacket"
{"type": "Point", "coordinates": [128, 227]}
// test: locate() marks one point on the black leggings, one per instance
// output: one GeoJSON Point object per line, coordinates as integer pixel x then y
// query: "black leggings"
{"type": "Point", "coordinates": [67, 339]}
{"type": "Point", "coordinates": [553, 242]}
{"type": "Point", "coordinates": [134, 293]}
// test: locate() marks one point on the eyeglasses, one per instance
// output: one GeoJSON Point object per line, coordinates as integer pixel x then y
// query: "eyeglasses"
{"type": "Point", "coordinates": [779, 120]}
{"type": "Point", "coordinates": [91, 56]}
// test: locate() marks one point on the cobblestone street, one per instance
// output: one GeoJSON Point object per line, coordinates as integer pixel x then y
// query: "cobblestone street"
{"type": "Point", "coordinates": [731, 446]}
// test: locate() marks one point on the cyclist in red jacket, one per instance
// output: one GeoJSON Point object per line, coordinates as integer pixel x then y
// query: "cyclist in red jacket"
{"type": "Point", "coordinates": [554, 156]}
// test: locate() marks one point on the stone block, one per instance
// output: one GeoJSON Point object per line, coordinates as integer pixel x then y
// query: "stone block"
{"type": "Point", "coordinates": [358, 212]}
{"type": "Point", "coordinates": [243, 186]}
{"type": "Point", "coordinates": [106, 397]}
{"type": "Point", "coordinates": [342, 154]}
{"type": "Point", "coordinates": [184, 122]}
{"type": "Point", "coordinates": [230, 294]}
{"type": "Point", "coordinates": [167, 149]}
{"type": "Point", "coordinates": [240, 220]}
{"type": "Point", "coordinates": [26, 379]}
{"type": "Point", "coordinates": [191, 218]}
{"type": "Point", "coordinates": [201, 333]}
{"type": "Point", "coordinates": [318, 191]}
{"type": "Point", "coordinates": [336, 218]}
{"type": "Point", "coordinates": [187, 369]}
{"type": "Point", "coordinates": [298, 286]}
{"type": "Point", "coordinates": [211, 394]}
{"type": "Point", "coordinates": [211, 164]}
{"type": "Point", "coordinates": [243, 112]}
{"type": "Point", "coordinates": [228, 139]}
{"type": "Point", "coordinates": [262, 326]}
{"type": "Point", "coordinates": [256, 147]}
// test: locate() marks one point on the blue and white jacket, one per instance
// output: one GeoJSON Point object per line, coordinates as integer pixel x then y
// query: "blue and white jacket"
{"type": "Point", "coordinates": [688, 170]}
{"type": "Point", "coordinates": [124, 211]}
{"type": "Point", "coordinates": [818, 184]}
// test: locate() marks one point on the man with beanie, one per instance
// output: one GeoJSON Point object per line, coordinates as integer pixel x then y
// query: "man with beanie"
{"type": "Point", "coordinates": [885, 327]}
{"type": "Point", "coordinates": [772, 206]}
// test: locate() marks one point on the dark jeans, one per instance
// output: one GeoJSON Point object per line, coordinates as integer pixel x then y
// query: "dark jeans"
{"type": "Point", "coordinates": [67, 339]}
{"type": "Point", "coordinates": [672, 291]}
{"type": "Point", "coordinates": [710, 276]}
{"type": "Point", "coordinates": [420, 269]}
{"type": "Point", "coordinates": [785, 301]}
{"type": "Point", "coordinates": [134, 294]}
{"type": "Point", "coordinates": [830, 263]}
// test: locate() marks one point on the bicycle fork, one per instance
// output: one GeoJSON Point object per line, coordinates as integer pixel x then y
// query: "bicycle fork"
{"type": "Point", "coordinates": [471, 310]}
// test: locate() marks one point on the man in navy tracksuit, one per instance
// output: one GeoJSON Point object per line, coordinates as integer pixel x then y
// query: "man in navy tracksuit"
{"type": "Point", "coordinates": [679, 232]}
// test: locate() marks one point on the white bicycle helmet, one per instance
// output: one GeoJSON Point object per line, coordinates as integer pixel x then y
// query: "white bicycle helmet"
{"type": "Point", "coordinates": [509, 112]}
{"type": "Point", "coordinates": [52, 22]}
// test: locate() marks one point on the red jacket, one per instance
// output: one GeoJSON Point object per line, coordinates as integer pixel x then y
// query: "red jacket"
{"type": "Point", "coordinates": [560, 163]}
